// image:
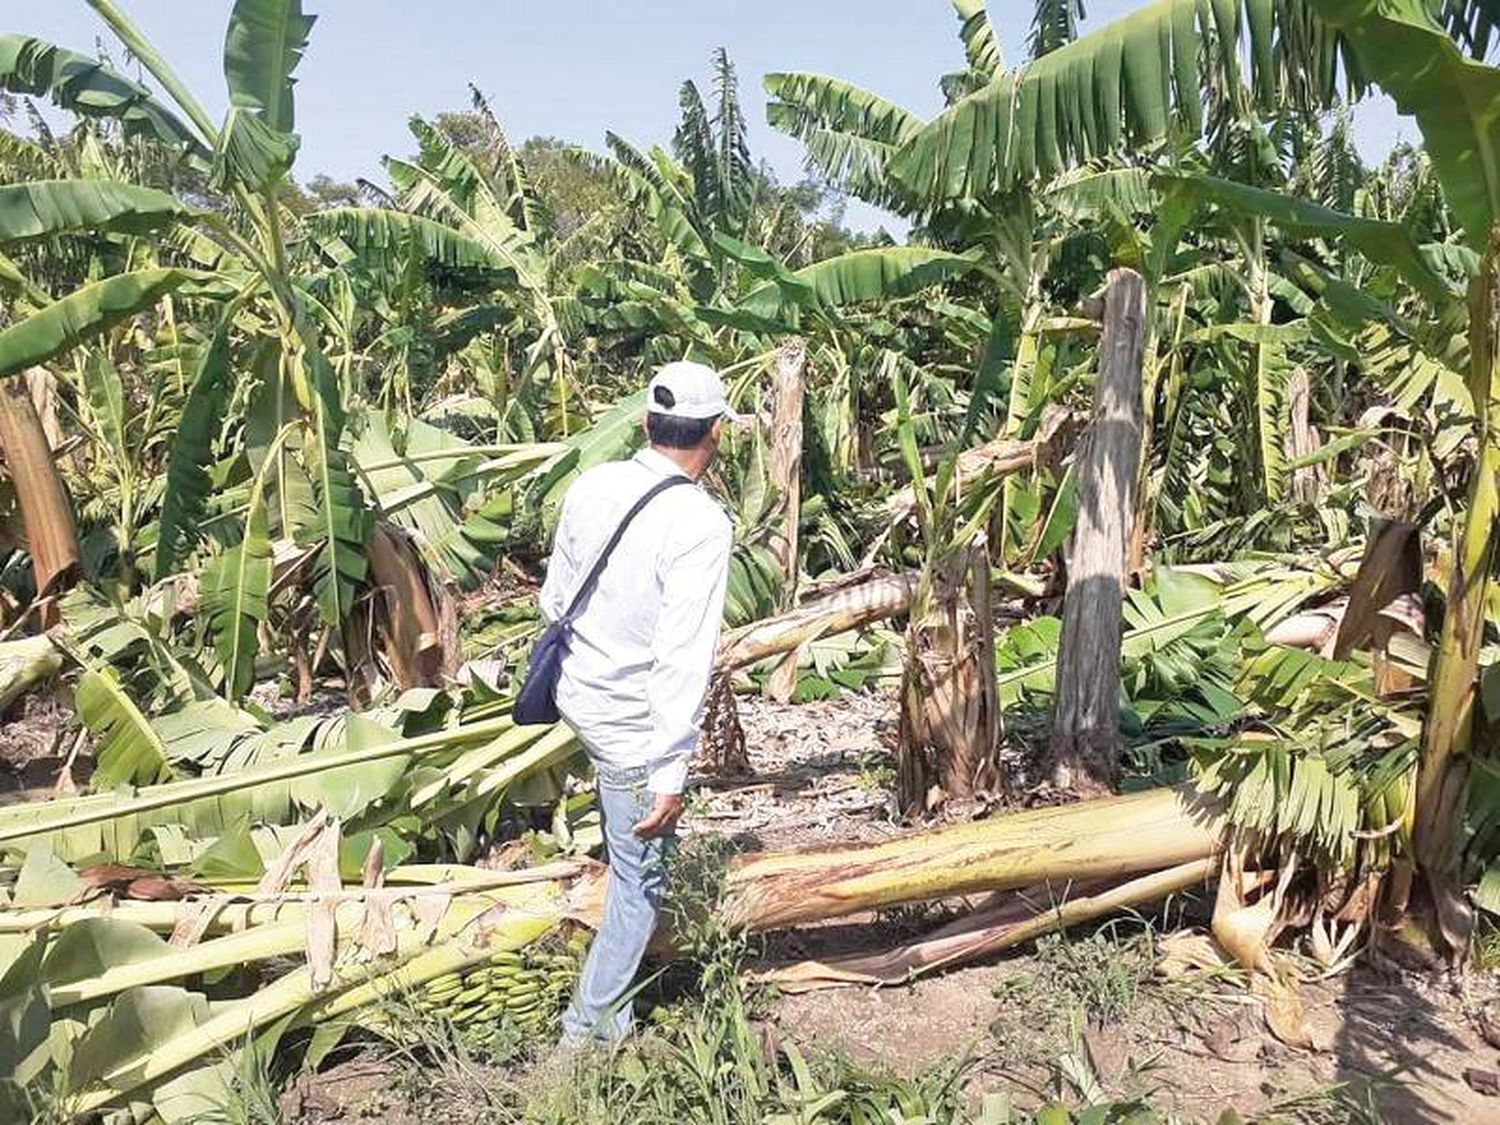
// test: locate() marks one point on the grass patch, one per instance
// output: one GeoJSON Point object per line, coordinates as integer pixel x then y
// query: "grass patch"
{"type": "Point", "coordinates": [1340, 1103]}
{"type": "Point", "coordinates": [1075, 980]}
{"type": "Point", "coordinates": [1101, 975]}
{"type": "Point", "coordinates": [1487, 943]}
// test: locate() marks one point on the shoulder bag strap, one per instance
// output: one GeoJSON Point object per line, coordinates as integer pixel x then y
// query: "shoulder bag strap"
{"type": "Point", "coordinates": [614, 540]}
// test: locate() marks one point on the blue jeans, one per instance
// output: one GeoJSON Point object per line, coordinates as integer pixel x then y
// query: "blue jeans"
{"type": "Point", "coordinates": [601, 1008]}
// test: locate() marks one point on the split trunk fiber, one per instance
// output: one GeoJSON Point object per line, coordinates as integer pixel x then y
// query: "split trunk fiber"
{"type": "Point", "coordinates": [1086, 715]}
{"type": "Point", "coordinates": [950, 706]}
{"type": "Point", "coordinates": [1109, 838]}
{"type": "Point", "coordinates": [1024, 916]}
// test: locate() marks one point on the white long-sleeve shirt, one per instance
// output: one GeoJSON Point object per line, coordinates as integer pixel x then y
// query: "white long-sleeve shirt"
{"type": "Point", "coordinates": [642, 650]}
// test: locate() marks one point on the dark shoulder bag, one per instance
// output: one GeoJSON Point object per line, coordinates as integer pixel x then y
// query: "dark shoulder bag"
{"type": "Point", "coordinates": [537, 701]}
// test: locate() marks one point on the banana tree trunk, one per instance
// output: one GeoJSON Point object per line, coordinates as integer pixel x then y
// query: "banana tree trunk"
{"type": "Point", "coordinates": [46, 510]}
{"type": "Point", "coordinates": [851, 608]}
{"type": "Point", "coordinates": [1026, 915]}
{"type": "Point", "coordinates": [1303, 440]}
{"type": "Point", "coordinates": [1264, 376]}
{"type": "Point", "coordinates": [786, 480]}
{"type": "Point", "coordinates": [1085, 721]}
{"type": "Point", "coordinates": [950, 706]}
{"type": "Point", "coordinates": [1111, 838]}
{"type": "Point", "coordinates": [1443, 771]}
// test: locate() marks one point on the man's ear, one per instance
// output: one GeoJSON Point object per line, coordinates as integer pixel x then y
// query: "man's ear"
{"type": "Point", "coordinates": [718, 430]}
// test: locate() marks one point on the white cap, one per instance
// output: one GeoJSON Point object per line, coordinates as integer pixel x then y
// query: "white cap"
{"type": "Point", "coordinates": [684, 389]}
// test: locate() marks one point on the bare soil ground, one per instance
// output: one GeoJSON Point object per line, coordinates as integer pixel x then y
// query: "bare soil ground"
{"type": "Point", "coordinates": [34, 746]}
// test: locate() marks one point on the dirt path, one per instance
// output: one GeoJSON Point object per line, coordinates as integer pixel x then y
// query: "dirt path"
{"type": "Point", "coordinates": [1393, 1041]}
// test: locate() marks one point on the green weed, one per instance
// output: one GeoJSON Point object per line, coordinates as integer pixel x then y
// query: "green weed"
{"type": "Point", "coordinates": [1102, 975]}
{"type": "Point", "coordinates": [1340, 1103]}
{"type": "Point", "coordinates": [707, 1058]}
{"type": "Point", "coordinates": [877, 773]}
{"type": "Point", "coordinates": [252, 1091]}
{"type": "Point", "coordinates": [1487, 943]}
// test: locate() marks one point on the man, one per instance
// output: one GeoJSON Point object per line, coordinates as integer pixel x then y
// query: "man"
{"type": "Point", "coordinates": [638, 663]}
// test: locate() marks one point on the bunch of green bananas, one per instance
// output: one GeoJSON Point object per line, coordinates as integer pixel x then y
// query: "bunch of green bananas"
{"type": "Point", "coordinates": [525, 988]}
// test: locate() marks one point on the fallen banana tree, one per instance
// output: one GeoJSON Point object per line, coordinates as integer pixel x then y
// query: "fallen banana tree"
{"type": "Point", "coordinates": [1113, 837]}
{"type": "Point", "coordinates": [1265, 591]}
{"type": "Point", "coordinates": [1338, 798]}
{"type": "Point", "coordinates": [102, 1013]}
{"type": "Point", "coordinates": [1001, 457]}
{"type": "Point", "coordinates": [364, 770]}
{"type": "Point", "coordinates": [1017, 919]}
{"type": "Point", "coordinates": [855, 607]}
{"type": "Point", "coordinates": [104, 1025]}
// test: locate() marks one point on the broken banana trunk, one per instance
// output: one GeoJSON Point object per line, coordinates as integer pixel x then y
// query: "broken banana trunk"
{"type": "Point", "coordinates": [1112, 838]}
{"type": "Point", "coordinates": [853, 608]}
{"type": "Point", "coordinates": [950, 711]}
{"type": "Point", "coordinates": [1022, 917]}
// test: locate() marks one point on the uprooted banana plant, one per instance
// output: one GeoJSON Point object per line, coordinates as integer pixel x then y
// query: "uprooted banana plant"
{"type": "Point", "coordinates": [109, 992]}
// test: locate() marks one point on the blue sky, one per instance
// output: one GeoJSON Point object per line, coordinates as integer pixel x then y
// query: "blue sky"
{"type": "Point", "coordinates": [572, 70]}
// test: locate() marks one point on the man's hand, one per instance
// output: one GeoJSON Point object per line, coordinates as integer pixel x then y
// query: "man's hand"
{"type": "Point", "coordinates": [662, 818]}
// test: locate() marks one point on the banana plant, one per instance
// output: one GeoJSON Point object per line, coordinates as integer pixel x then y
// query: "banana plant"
{"type": "Point", "coordinates": [289, 350]}
{"type": "Point", "coordinates": [447, 186]}
{"type": "Point", "coordinates": [1455, 131]}
{"type": "Point", "coordinates": [950, 709]}
{"type": "Point", "coordinates": [252, 152]}
{"type": "Point", "coordinates": [431, 768]}
{"type": "Point", "coordinates": [1386, 40]}
{"type": "Point", "coordinates": [117, 1019]}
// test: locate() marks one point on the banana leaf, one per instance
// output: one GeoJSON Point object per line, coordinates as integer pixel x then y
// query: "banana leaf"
{"type": "Point", "coordinates": [43, 208]}
{"type": "Point", "coordinates": [84, 313]}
